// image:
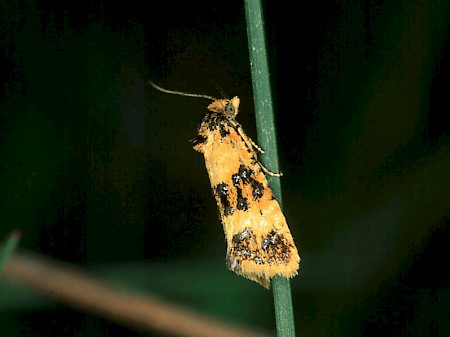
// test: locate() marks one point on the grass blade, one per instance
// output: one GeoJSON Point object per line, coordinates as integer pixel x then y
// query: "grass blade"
{"type": "Point", "coordinates": [284, 313]}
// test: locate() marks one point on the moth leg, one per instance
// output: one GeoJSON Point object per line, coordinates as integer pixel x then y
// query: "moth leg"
{"type": "Point", "coordinates": [270, 173]}
{"type": "Point", "coordinates": [252, 145]}
{"type": "Point", "coordinates": [248, 141]}
{"type": "Point", "coordinates": [256, 146]}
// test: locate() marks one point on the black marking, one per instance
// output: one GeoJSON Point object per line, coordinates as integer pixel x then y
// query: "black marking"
{"type": "Point", "coordinates": [198, 140]}
{"type": "Point", "coordinates": [246, 233]}
{"type": "Point", "coordinates": [242, 203]}
{"type": "Point", "coordinates": [257, 189]}
{"type": "Point", "coordinates": [244, 172]}
{"type": "Point", "coordinates": [241, 249]}
{"type": "Point", "coordinates": [277, 247]}
{"type": "Point", "coordinates": [270, 240]}
{"type": "Point", "coordinates": [224, 132]}
{"type": "Point", "coordinates": [255, 160]}
{"type": "Point", "coordinates": [237, 238]}
{"type": "Point", "coordinates": [213, 120]}
{"type": "Point", "coordinates": [228, 210]}
{"type": "Point", "coordinates": [236, 179]}
{"type": "Point", "coordinates": [246, 175]}
{"type": "Point", "coordinates": [221, 190]}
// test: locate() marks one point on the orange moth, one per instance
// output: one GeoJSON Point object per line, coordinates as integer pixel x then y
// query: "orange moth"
{"type": "Point", "coordinates": [259, 242]}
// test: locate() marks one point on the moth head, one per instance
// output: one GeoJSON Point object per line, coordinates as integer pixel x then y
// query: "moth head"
{"type": "Point", "coordinates": [232, 107]}
{"type": "Point", "coordinates": [227, 107]}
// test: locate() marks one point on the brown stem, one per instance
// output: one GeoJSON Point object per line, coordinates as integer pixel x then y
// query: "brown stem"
{"type": "Point", "coordinates": [66, 284]}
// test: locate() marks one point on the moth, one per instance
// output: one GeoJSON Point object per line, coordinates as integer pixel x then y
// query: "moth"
{"type": "Point", "coordinates": [259, 242]}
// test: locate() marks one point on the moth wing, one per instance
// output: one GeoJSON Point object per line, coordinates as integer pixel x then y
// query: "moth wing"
{"type": "Point", "coordinates": [259, 243]}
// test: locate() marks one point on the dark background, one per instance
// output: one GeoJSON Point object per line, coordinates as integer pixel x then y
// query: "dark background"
{"type": "Point", "coordinates": [96, 168]}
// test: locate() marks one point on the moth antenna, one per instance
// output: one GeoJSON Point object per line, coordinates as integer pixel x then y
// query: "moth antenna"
{"type": "Point", "coordinates": [157, 87]}
{"type": "Point", "coordinates": [221, 91]}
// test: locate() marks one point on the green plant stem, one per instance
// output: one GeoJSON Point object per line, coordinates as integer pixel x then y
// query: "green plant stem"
{"type": "Point", "coordinates": [8, 249]}
{"type": "Point", "coordinates": [284, 314]}
{"type": "Point", "coordinates": [261, 91]}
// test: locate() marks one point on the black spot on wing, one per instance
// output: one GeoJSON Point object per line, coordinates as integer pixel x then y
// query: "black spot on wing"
{"type": "Point", "coordinates": [246, 233]}
{"type": "Point", "coordinates": [245, 175]}
{"type": "Point", "coordinates": [277, 247]}
{"type": "Point", "coordinates": [257, 189]}
{"type": "Point", "coordinates": [228, 210]}
{"type": "Point", "coordinates": [213, 120]}
{"type": "Point", "coordinates": [236, 179]}
{"type": "Point", "coordinates": [224, 130]}
{"type": "Point", "coordinates": [242, 203]}
{"type": "Point", "coordinates": [244, 247]}
{"type": "Point", "coordinates": [221, 191]}
{"type": "Point", "coordinates": [198, 140]}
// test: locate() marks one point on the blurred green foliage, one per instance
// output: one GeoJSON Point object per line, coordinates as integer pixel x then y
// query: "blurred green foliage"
{"type": "Point", "coordinates": [96, 168]}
